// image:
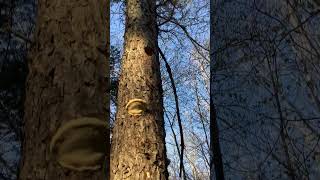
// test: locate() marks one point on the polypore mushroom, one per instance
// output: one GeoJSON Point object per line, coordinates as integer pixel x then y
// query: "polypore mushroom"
{"type": "Point", "coordinates": [136, 107]}
{"type": "Point", "coordinates": [80, 144]}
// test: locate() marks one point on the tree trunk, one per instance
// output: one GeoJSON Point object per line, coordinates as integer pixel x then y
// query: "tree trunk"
{"type": "Point", "coordinates": [68, 75]}
{"type": "Point", "coordinates": [138, 138]}
{"type": "Point", "coordinates": [216, 163]}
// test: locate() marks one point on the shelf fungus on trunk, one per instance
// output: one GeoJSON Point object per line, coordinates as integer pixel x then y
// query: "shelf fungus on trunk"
{"type": "Point", "coordinates": [136, 107]}
{"type": "Point", "coordinates": [80, 144]}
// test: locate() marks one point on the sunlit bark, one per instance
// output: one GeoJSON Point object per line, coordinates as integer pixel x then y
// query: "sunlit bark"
{"type": "Point", "coordinates": [138, 144]}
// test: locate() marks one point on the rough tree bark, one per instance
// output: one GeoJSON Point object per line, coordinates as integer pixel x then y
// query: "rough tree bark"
{"type": "Point", "coordinates": [68, 75]}
{"type": "Point", "coordinates": [138, 144]}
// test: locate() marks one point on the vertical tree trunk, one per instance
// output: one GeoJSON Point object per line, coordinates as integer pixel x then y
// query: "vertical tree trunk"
{"type": "Point", "coordinates": [67, 79]}
{"type": "Point", "coordinates": [138, 144]}
{"type": "Point", "coordinates": [216, 163]}
{"type": "Point", "coordinates": [108, 86]}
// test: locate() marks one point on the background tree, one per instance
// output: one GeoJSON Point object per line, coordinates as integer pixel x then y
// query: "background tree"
{"type": "Point", "coordinates": [16, 27]}
{"type": "Point", "coordinates": [265, 88]}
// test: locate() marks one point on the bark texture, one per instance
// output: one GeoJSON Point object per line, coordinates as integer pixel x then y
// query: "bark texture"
{"type": "Point", "coordinates": [68, 75]}
{"type": "Point", "coordinates": [138, 144]}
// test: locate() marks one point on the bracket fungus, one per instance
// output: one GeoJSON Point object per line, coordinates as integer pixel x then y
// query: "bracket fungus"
{"type": "Point", "coordinates": [136, 107]}
{"type": "Point", "coordinates": [80, 144]}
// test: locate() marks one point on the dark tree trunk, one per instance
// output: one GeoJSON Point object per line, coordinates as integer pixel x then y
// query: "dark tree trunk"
{"type": "Point", "coordinates": [138, 144]}
{"type": "Point", "coordinates": [68, 75]}
{"type": "Point", "coordinates": [216, 163]}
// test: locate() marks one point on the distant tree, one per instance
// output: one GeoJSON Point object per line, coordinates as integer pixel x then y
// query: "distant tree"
{"type": "Point", "coordinates": [115, 63]}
